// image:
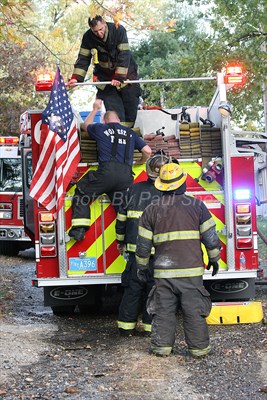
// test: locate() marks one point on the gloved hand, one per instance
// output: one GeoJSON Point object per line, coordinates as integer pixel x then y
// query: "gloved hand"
{"type": "Point", "coordinates": [120, 248]}
{"type": "Point", "coordinates": [215, 267]}
{"type": "Point", "coordinates": [141, 275]}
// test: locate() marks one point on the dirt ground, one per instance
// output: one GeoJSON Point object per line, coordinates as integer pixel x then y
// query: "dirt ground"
{"type": "Point", "coordinates": [43, 356]}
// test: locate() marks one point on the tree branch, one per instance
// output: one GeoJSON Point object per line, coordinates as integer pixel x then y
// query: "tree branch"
{"type": "Point", "coordinates": [247, 36]}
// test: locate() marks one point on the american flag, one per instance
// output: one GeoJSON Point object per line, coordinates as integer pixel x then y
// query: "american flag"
{"type": "Point", "coordinates": [59, 150]}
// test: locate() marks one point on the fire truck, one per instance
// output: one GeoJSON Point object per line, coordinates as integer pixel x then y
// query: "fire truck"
{"type": "Point", "coordinates": [12, 235]}
{"type": "Point", "coordinates": [220, 172]}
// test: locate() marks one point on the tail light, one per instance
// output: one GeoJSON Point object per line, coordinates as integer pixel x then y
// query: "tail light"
{"type": "Point", "coordinates": [243, 223]}
{"type": "Point", "coordinates": [47, 232]}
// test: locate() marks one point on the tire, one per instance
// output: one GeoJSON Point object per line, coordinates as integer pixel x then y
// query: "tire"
{"type": "Point", "coordinates": [9, 248]}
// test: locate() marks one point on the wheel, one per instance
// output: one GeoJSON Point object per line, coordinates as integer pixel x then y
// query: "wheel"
{"type": "Point", "coordinates": [9, 248]}
{"type": "Point", "coordinates": [61, 311]}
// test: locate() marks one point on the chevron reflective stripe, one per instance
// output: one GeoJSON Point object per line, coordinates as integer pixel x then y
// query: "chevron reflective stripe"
{"type": "Point", "coordinates": [145, 233]}
{"type": "Point", "coordinates": [177, 235]}
{"type": "Point", "coordinates": [121, 217]}
{"type": "Point", "coordinates": [127, 326]}
{"type": "Point", "coordinates": [134, 214]}
{"type": "Point", "coordinates": [80, 222]}
{"type": "Point", "coordinates": [207, 225]}
{"type": "Point", "coordinates": [100, 240]}
{"type": "Point", "coordinates": [84, 52]}
{"type": "Point", "coordinates": [194, 170]}
{"type": "Point", "coordinates": [200, 352]}
{"type": "Point", "coordinates": [142, 260]}
{"type": "Point", "coordinates": [123, 46]}
{"type": "Point", "coordinates": [178, 273]}
{"type": "Point", "coordinates": [213, 253]}
{"type": "Point", "coordinates": [79, 71]}
{"type": "Point", "coordinates": [147, 327]}
{"type": "Point", "coordinates": [212, 194]}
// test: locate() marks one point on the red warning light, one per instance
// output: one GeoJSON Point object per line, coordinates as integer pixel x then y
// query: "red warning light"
{"type": "Point", "coordinates": [44, 82]}
{"type": "Point", "coordinates": [234, 75]}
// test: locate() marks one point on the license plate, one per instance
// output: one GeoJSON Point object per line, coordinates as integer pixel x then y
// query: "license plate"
{"type": "Point", "coordinates": [83, 264]}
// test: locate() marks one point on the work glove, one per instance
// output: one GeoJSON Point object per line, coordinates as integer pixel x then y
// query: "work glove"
{"type": "Point", "coordinates": [215, 267]}
{"type": "Point", "coordinates": [141, 275]}
{"type": "Point", "coordinates": [121, 248]}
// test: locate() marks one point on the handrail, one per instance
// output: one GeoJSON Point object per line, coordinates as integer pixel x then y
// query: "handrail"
{"type": "Point", "coordinates": [149, 81]}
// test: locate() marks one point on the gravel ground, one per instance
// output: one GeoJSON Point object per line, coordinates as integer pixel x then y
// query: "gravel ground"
{"type": "Point", "coordinates": [82, 357]}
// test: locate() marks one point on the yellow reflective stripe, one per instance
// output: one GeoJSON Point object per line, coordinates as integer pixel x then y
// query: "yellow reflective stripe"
{"type": "Point", "coordinates": [128, 124]}
{"type": "Point", "coordinates": [161, 350]}
{"type": "Point", "coordinates": [147, 327]}
{"type": "Point", "coordinates": [79, 71]}
{"type": "Point", "coordinates": [121, 217]}
{"type": "Point", "coordinates": [178, 273]}
{"type": "Point", "coordinates": [121, 70]}
{"type": "Point", "coordinates": [122, 85]}
{"type": "Point", "coordinates": [200, 352]}
{"type": "Point", "coordinates": [213, 253]}
{"type": "Point", "coordinates": [132, 247]}
{"type": "Point", "coordinates": [142, 260]}
{"type": "Point", "coordinates": [126, 325]}
{"type": "Point", "coordinates": [120, 238]}
{"type": "Point", "coordinates": [84, 52]}
{"type": "Point", "coordinates": [101, 87]}
{"type": "Point", "coordinates": [80, 222]}
{"type": "Point", "coordinates": [207, 225]}
{"type": "Point", "coordinates": [104, 64]}
{"type": "Point", "coordinates": [177, 235]}
{"type": "Point", "coordinates": [134, 214]}
{"type": "Point", "coordinates": [123, 46]}
{"type": "Point", "coordinates": [145, 233]}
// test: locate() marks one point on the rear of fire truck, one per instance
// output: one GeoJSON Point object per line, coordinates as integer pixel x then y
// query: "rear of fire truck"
{"type": "Point", "coordinates": [219, 173]}
{"type": "Point", "coordinates": [12, 235]}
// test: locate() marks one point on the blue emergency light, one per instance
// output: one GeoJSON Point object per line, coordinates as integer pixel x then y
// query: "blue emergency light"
{"type": "Point", "coordinates": [242, 194]}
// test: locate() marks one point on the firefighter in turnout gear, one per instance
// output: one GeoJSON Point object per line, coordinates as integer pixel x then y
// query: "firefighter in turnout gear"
{"type": "Point", "coordinates": [116, 144]}
{"type": "Point", "coordinates": [176, 226]}
{"type": "Point", "coordinates": [139, 196]}
{"type": "Point", "coordinates": [106, 46]}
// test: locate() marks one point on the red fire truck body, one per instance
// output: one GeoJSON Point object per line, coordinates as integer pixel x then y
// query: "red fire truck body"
{"type": "Point", "coordinates": [12, 235]}
{"type": "Point", "coordinates": [75, 273]}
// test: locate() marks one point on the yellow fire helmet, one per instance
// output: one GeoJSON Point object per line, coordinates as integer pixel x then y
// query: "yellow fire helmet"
{"type": "Point", "coordinates": [171, 177]}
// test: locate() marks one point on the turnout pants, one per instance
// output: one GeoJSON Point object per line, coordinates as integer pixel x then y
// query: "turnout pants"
{"type": "Point", "coordinates": [111, 178]}
{"type": "Point", "coordinates": [124, 101]}
{"type": "Point", "coordinates": [194, 299]}
{"type": "Point", "coordinates": [134, 297]}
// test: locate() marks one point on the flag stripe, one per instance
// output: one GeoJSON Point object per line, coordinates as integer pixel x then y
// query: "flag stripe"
{"type": "Point", "coordinates": [59, 150]}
